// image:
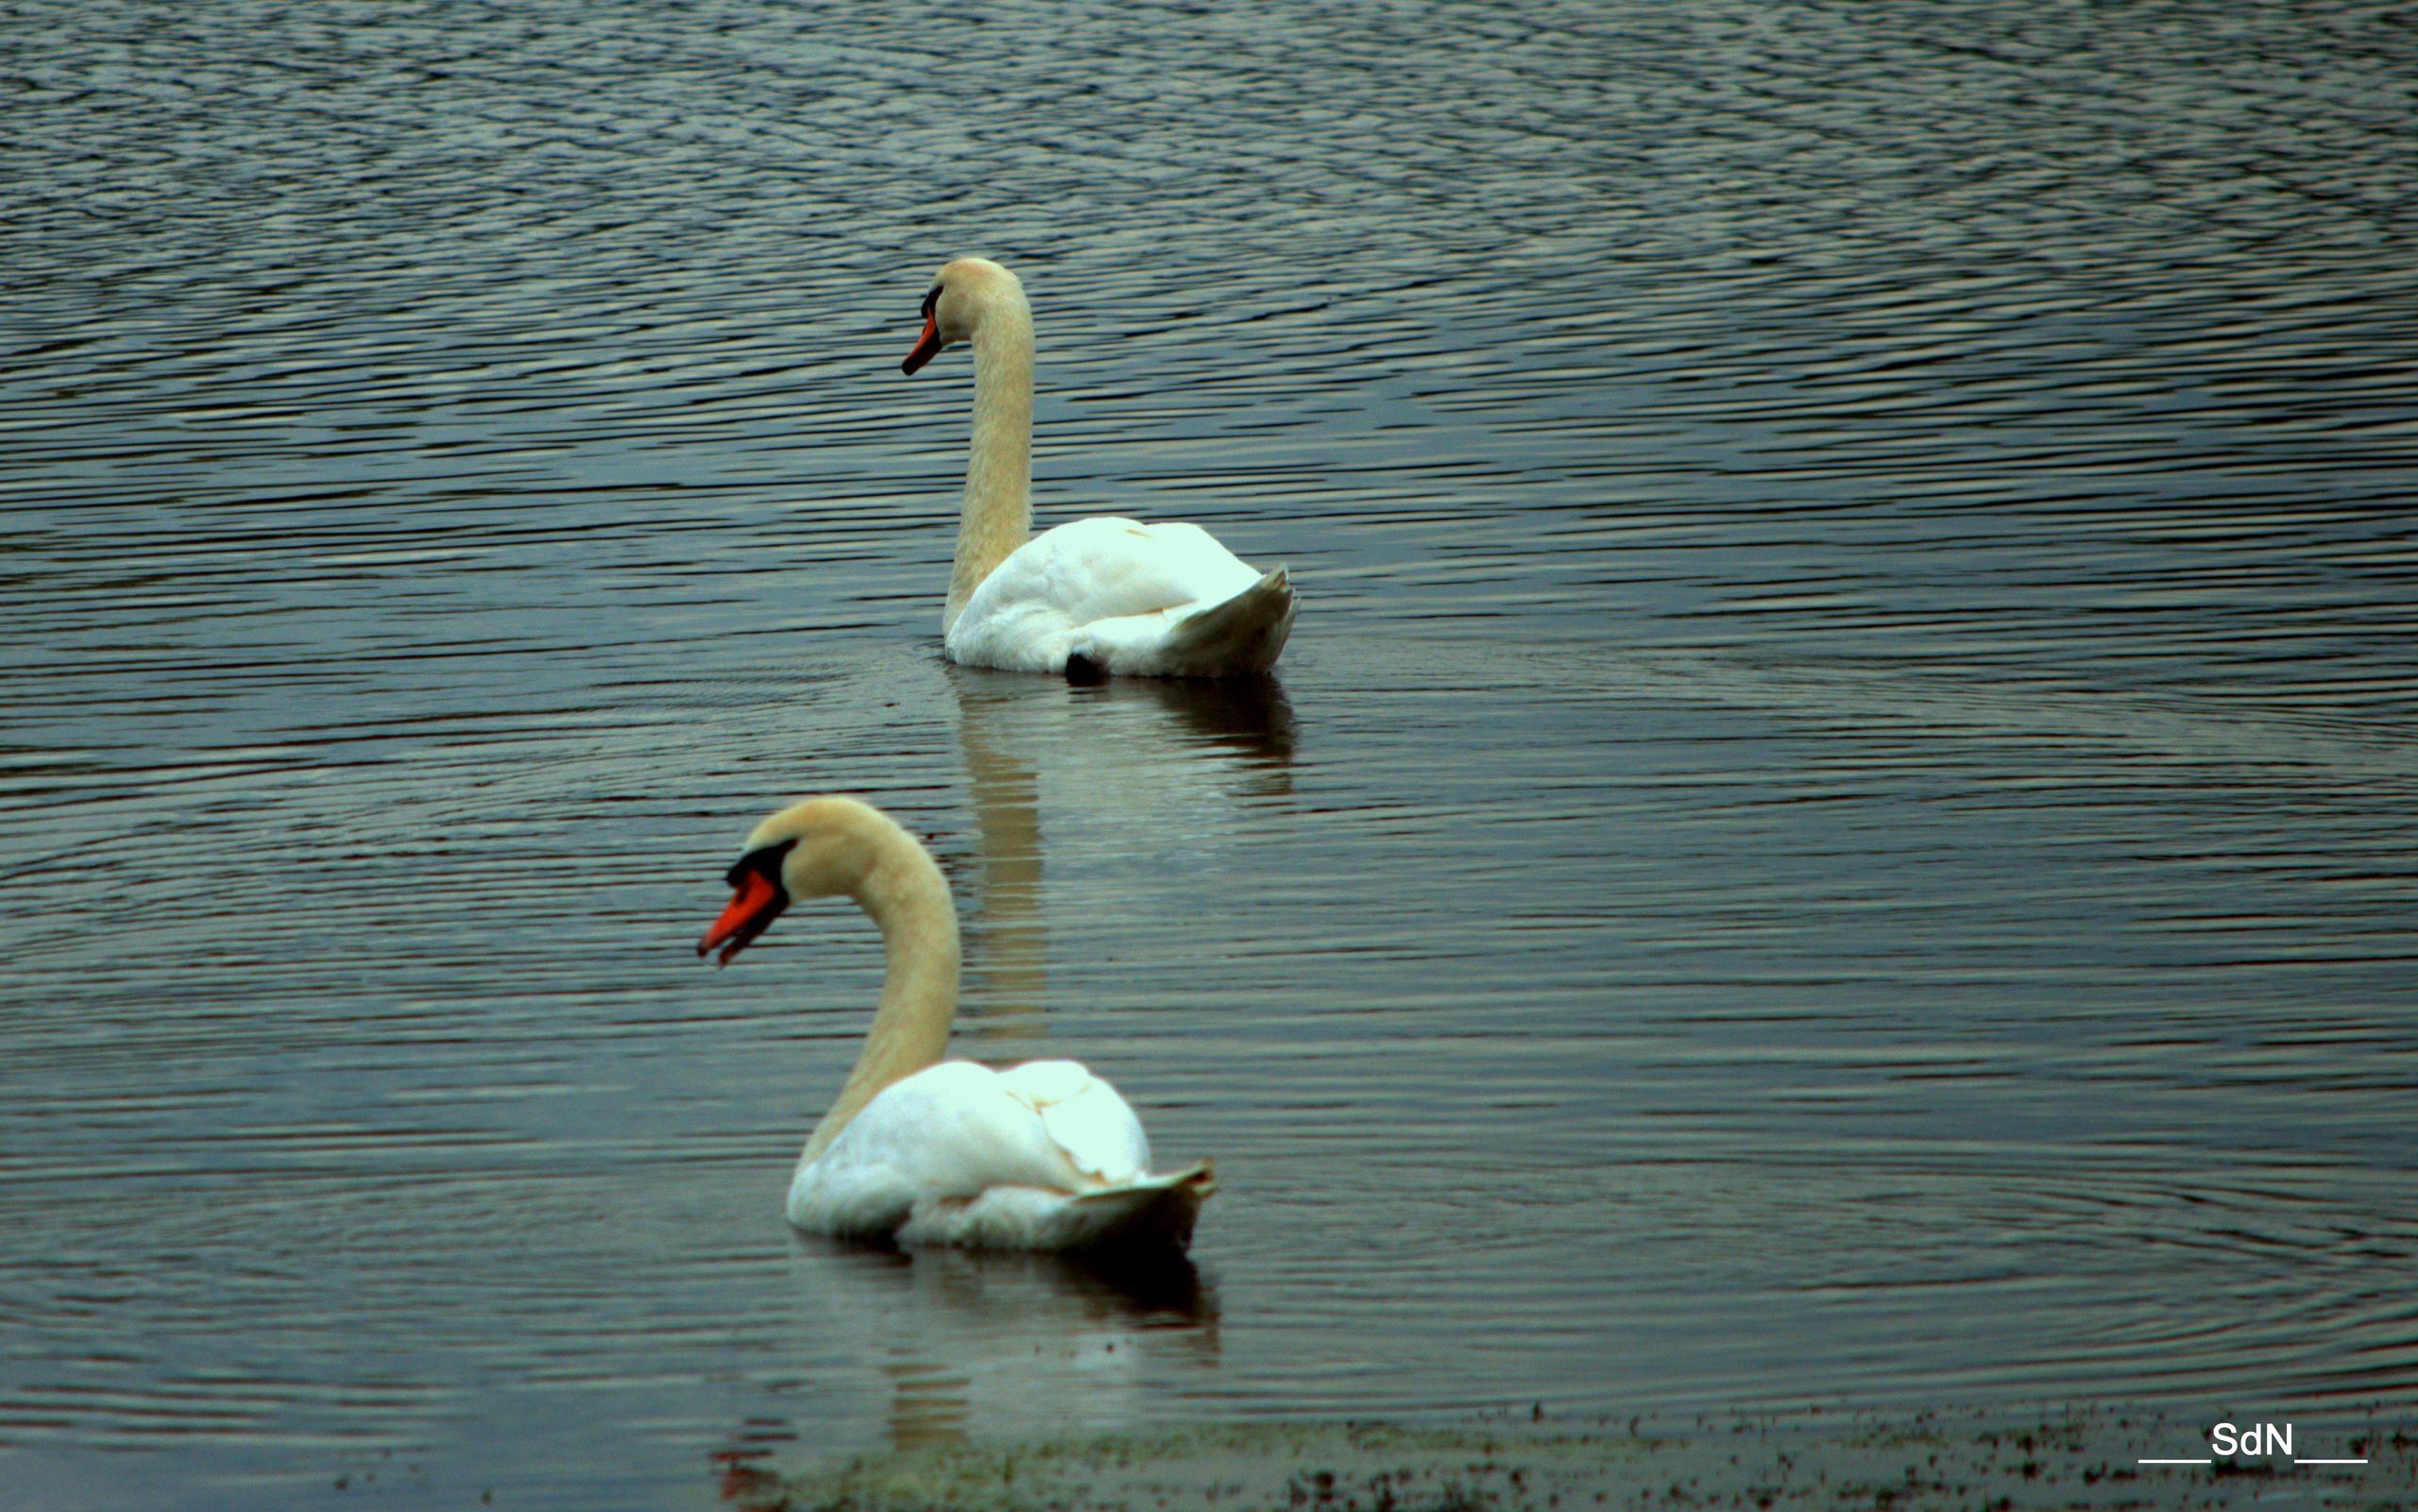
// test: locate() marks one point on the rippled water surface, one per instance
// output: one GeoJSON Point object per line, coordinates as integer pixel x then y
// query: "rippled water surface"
{"type": "Point", "coordinates": [1838, 826]}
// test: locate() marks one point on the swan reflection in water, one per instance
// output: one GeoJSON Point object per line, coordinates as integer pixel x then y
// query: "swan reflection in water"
{"type": "Point", "coordinates": [1016, 1339]}
{"type": "Point", "coordinates": [1157, 765]}
{"type": "Point", "coordinates": [1247, 720]}
{"type": "Point", "coordinates": [994, 1342]}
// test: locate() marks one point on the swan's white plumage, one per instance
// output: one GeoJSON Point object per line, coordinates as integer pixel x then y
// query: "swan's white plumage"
{"type": "Point", "coordinates": [1084, 1117]}
{"type": "Point", "coordinates": [1127, 596]}
{"type": "Point", "coordinates": [1111, 588]}
{"type": "Point", "coordinates": [962, 1154]}
{"type": "Point", "coordinates": [1041, 1156]}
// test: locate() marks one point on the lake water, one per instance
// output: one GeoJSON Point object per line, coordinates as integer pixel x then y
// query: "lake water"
{"type": "Point", "coordinates": [1840, 827]}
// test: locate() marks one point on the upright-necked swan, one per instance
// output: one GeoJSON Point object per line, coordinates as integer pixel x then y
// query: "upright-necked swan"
{"type": "Point", "coordinates": [1098, 596]}
{"type": "Point", "coordinates": [919, 1151]}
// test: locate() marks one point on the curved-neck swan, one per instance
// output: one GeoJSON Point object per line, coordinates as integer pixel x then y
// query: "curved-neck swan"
{"type": "Point", "coordinates": [1099, 596]}
{"type": "Point", "coordinates": [918, 1151]}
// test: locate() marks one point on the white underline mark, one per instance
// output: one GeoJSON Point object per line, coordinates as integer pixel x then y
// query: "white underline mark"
{"type": "Point", "coordinates": [2288, 1462]}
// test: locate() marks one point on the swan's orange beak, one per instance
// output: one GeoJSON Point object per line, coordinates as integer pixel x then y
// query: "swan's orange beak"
{"type": "Point", "coordinates": [925, 346]}
{"type": "Point", "coordinates": [754, 905]}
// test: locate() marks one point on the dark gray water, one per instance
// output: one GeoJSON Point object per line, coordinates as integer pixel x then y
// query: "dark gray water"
{"type": "Point", "coordinates": [1839, 825]}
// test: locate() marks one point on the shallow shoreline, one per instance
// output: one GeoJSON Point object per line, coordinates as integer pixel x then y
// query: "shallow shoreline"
{"type": "Point", "coordinates": [1801, 1460]}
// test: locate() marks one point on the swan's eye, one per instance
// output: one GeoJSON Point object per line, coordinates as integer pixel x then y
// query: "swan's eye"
{"type": "Point", "coordinates": [764, 862]}
{"type": "Point", "coordinates": [930, 300]}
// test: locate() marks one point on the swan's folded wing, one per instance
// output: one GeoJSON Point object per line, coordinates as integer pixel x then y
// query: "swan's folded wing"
{"type": "Point", "coordinates": [1044, 1156]}
{"type": "Point", "coordinates": [1084, 1116]}
{"type": "Point", "coordinates": [1107, 568]}
{"type": "Point", "coordinates": [958, 1129]}
{"type": "Point", "coordinates": [952, 1129]}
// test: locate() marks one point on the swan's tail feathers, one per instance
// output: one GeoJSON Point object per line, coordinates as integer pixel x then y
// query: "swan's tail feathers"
{"type": "Point", "coordinates": [1236, 639]}
{"type": "Point", "coordinates": [1153, 1213]}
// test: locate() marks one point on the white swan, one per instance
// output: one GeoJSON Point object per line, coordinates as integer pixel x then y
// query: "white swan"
{"type": "Point", "coordinates": [1094, 597]}
{"type": "Point", "coordinates": [917, 1151]}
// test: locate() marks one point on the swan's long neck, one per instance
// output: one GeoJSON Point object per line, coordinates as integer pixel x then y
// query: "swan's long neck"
{"type": "Point", "coordinates": [905, 895]}
{"type": "Point", "coordinates": [998, 474]}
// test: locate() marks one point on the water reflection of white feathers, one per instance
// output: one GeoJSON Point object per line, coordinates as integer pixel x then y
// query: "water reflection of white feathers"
{"type": "Point", "coordinates": [1011, 1342]}
{"type": "Point", "coordinates": [1156, 769]}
